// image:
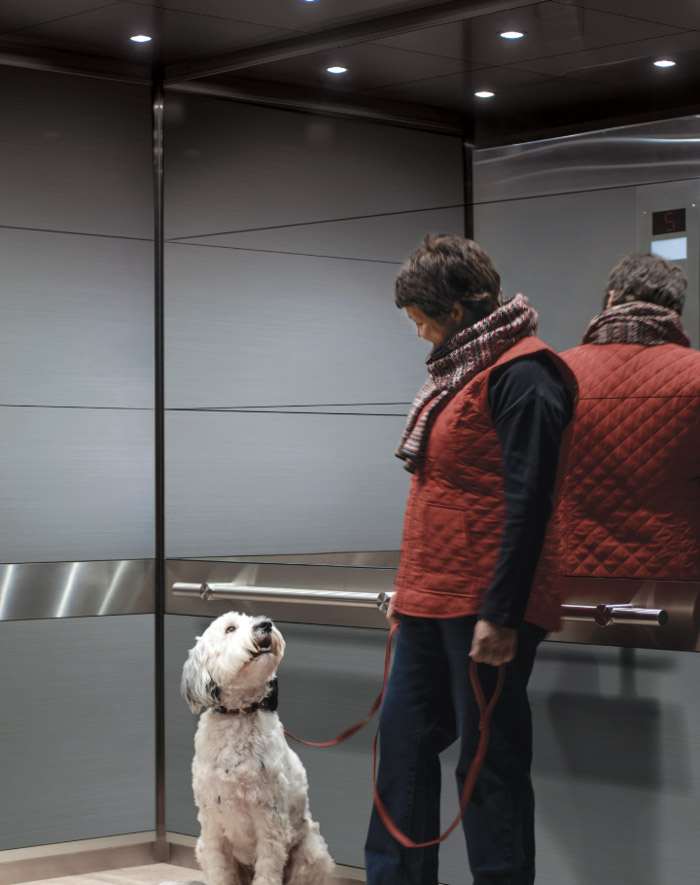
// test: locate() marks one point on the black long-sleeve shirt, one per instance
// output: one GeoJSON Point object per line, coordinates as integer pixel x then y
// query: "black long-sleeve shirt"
{"type": "Point", "coordinates": [530, 407]}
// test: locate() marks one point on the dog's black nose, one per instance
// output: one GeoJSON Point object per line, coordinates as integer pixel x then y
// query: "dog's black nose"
{"type": "Point", "coordinates": [265, 626]}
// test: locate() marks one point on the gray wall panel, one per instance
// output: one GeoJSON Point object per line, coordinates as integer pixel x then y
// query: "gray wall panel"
{"type": "Point", "coordinates": [235, 167]}
{"type": "Point", "coordinates": [617, 766]}
{"type": "Point", "coordinates": [558, 251]}
{"type": "Point", "coordinates": [240, 483]}
{"type": "Point", "coordinates": [77, 729]}
{"type": "Point", "coordinates": [77, 320]}
{"type": "Point", "coordinates": [76, 484]}
{"type": "Point", "coordinates": [389, 238]}
{"type": "Point", "coordinates": [251, 328]}
{"type": "Point", "coordinates": [294, 313]}
{"type": "Point", "coordinates": [180, 726]}
{"type": "Point", "coordinates": [75, 154]}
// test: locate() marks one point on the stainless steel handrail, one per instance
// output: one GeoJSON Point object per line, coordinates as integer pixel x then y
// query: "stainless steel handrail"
{"type": "Point", "coordinates": [217, 590]}
{"type": "Point", "coordinates": [603, 614]}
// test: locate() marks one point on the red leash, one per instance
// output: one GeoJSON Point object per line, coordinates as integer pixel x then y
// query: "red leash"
{"type": "Point", "coordinates": [349, 732]}
{"type": "Point", "coordinates": [473, 773]}
{"type": "Point", "coordinates": [485, 711]}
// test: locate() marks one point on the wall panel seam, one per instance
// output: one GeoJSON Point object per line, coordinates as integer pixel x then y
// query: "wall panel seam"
{"type": "Point", "coordinates": [342, 219]}
{"type": "Point", "coordinates": [75, 233]}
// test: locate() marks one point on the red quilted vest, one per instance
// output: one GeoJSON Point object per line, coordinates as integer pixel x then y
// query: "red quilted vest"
{"type": "Point", "coordinates": [456, 508]}
{"type": "Point", "coordinates": [630, 503]}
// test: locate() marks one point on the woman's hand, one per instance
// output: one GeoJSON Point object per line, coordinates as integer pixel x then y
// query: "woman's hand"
{"type": "Point", "coordinates": [392, 616]}
{"type": "Point", "coordinates": [492, 644]}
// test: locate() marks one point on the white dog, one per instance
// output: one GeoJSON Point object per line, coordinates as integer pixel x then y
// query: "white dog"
{"type": "Point", "coordinates": [250, 788]}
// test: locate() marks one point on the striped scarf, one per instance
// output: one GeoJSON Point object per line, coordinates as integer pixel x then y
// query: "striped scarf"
{"type": "Point", "coordinates": [453, 364]}
{"type": "Point", "coordinates": [638, 322]}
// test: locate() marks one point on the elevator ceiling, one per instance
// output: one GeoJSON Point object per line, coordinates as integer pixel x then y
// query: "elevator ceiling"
{"type": "Point", "coordinates": [580, 63]}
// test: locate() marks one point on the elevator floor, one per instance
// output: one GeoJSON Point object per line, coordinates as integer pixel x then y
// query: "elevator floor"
{"type": "Point", "coordinates": [157, 873]}
{"type": "Point", "coordinates": [152, 874]}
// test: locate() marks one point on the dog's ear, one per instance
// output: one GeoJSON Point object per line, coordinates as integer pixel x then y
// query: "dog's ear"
{"type": "Point", "coordinates": [197, 687]}
{"type": "Point", "coordinates": [272, 696]}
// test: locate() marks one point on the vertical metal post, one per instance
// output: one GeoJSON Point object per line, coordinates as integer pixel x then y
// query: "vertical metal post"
{"type": "Point", "coordinates": [468, 187]}
{"type": "Point", "coordinates": [161, 850]}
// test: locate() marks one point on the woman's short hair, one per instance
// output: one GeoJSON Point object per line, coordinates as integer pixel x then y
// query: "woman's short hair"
{"type": "Point", "coordinates": [446, 269]}
{"type": "Point", "coordinates": [646, 278]}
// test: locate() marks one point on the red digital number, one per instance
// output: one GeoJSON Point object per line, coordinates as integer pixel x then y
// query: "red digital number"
{"type": "Point", "coordinates": [670, 222]}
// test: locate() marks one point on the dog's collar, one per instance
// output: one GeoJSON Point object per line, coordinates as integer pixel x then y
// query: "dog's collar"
{"type": "Point", "coordinates": [269, 702]}
{"type": "Point", "coordinates": [253, 708]}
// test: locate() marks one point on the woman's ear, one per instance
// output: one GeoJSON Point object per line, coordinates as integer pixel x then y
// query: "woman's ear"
{"type": "Point", "coordinates": [457, 313]}
{"type": "Point", "coordinates": [461, 316]}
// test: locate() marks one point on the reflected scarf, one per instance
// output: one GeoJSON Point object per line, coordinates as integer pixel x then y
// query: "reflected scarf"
{"type": "Point", "coordinates": [453, 364]}
{"type": "Point", "coordinates": [638, 322]}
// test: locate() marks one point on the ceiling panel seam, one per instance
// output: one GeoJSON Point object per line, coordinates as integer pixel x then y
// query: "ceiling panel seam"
{"type": "Point", "coordinates": [358, 32]}
{"type": "Point", "coordinates": [60, 18]}
{"type": "Point", "coordinates": [638, 18]}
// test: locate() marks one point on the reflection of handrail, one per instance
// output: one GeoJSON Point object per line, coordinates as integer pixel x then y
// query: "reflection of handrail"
{"type": "Point", "coordinates": [628, 613]}
{"type": "Point", "coordinates": [624, 613]}
{"type": "Point", "coordinates": [603, 614]}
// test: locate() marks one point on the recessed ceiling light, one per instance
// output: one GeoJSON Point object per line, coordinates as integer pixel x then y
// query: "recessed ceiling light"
{"type": "Point", "coordinates": [484, 94]}
{"type": "Point", "coordinates": [337, 70]}
{"type": "Point", "coordinates": [664, 63]}
{"type": "Point", "coordinates": [140, 38]}
{"type": "Point", "coordinates": [512, 35]}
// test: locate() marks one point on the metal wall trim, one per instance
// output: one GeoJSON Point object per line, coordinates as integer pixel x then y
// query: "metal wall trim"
{"type": "Point", "coordinates": [623, 156]}
{"type": "Point", "coordinates": [468, 188]}
{"type": "Point", "coordinates": [22, 53]}
{"type": "Point", "coordinates": [306, 100]}
{"type": "Point", "coordinates": [161, 851]}
{"type": "Point", "coordinates": [75, 858]}
{"type": "Point", "coordinates": [38, 590]}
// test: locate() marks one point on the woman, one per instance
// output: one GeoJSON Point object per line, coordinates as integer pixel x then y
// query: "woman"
{"type": "Point", "coordinates": [482, 442]}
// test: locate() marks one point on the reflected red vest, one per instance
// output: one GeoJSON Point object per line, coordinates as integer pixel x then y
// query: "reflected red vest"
{"type": "Point", "coordinates": [630, 503]}
{"type": "Point", "coordinates": [456, 508]}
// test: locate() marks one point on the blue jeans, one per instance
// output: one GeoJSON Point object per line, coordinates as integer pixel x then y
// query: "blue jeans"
{"type": "Point", "coordinates": [428, 705]}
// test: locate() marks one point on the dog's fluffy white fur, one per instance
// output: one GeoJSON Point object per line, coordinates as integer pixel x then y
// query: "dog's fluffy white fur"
{"type": "Point", "coordinates": [250, 787]}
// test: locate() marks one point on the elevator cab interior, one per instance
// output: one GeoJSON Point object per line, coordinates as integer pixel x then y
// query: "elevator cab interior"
{"type": "Point", "coordinates": [204, 378]}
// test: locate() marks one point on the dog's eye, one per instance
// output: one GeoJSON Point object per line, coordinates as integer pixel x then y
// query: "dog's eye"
{"type": "Point", "coordinates": [231, 628]}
